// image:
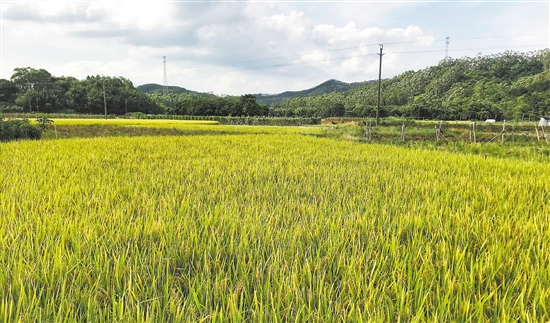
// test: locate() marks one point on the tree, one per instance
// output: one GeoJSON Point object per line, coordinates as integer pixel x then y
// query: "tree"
{"type": "Point", "coordinates": [28, 78]}
{"type": "Point", "coordinates": [251, 107]}
{"type": "Point", "coordinates": [43, 122]}
{"type": "Point", "coordinates": [86, 96]}
{"type": "Point", "coordinates": [8, 89]}
{"type": "Point", "coordinates": [337, 110]}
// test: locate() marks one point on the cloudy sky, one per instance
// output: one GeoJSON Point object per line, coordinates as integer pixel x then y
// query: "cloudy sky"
{"type": "Point", "coordinates": [236, 47]}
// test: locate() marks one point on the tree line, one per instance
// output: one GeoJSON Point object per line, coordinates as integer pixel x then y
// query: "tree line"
{"type": "Point", "coordinates": [36, 90]}
{"type": "Point", "coordinates": [509, 85]}
{"type": "Point", "coordinates": [193, 104]}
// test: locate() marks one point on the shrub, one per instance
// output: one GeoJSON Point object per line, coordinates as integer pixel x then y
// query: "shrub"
{"type": "Point", "coordinates": [18, 129]}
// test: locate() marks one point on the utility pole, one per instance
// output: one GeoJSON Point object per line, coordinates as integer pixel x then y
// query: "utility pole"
{"type": "Point", "coordinates": [28, 90]}
{"type": "Point", "coordinates": [165, 85]}
{"type": "Point", "coordinates": [379, 82]}
{"type": "Point", "coordinates": [126, 104]}
{"type": "Point", "coordinates": [37, 110]}
{"type": "Point", "coordinates": [104, 98]}
{"type": "Point", "coordinates": [447, 47]}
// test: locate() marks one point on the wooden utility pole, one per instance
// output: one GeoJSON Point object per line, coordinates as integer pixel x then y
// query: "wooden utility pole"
{"type": "Point", "coordinates": [368, 130]}
{"type": "Point", "coordinates": [544, 133]}
{"type": "Point", "coordinates": [104, 98]}
{"type": "Point", "coordinates": [28, 90]}
{"type": "Point", "coordinates": [379, 82]}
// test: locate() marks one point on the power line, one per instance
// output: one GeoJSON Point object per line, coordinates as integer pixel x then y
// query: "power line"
{"type": "Point", "coordinates": [308, 53]}
{"type": "Point", "coordinates": [366, 45]}
{"type": "Point", "coordinates": [495, 37]}
{"type": "Point", "coordinates": [231, 68]}
{"type": "Point", "coordinates": [462, 49]}
{"type": "Point", "coordinates": [376, 44]}
{"type": "Point", "coordinates": [228, 69]}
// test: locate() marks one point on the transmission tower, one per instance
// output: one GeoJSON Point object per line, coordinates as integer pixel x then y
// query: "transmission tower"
{"type": "Point", "coordinates": [165, 85]}
{"type": "Point", "coordinates": [447, 47]}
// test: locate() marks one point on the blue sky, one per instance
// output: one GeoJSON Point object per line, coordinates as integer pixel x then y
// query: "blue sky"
{"type": "Point", "coordinates": [237, 47]}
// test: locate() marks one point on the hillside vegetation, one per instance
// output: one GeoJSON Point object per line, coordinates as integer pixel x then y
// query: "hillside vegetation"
{"type": "Point", "coordinates": [323, 88]}
{"type": "Point", "coordinates": [510, 85]}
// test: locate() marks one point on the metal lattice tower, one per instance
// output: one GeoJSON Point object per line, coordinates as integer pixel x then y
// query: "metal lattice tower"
{"type": "Point", "coordinates": [165, 85]}
{"type": "Point", "coordinates": [447, 47]}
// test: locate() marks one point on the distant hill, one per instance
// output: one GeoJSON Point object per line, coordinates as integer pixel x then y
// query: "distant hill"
{"type": "Point", "coordinates": [153, 87]}
{"type": "Point", "coordinates": [505, 86]}
{"type": "Point", "coordinates": [325, 87]}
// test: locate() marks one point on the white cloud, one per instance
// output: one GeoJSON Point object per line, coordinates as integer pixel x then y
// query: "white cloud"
{"type": "Point", "coordinates": [247, 47]}
{"type": "Point", "coordinates": [84, 68]}
{"type": "Point", "coordinates": [294, 25]}
{"type": "Point", "coordinates": [349, 33]}
{"type": "Point", "coordinates": [316, 58]}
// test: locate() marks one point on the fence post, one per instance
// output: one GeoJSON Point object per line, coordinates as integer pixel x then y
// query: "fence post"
{"type": "Point", "coordinates": [503, 129]}
{"type": "Point", "coordinates": [544, 133]}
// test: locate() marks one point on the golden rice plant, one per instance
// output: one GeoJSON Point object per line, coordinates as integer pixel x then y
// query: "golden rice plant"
{"type": "Point", "coordinates": [268, 228]}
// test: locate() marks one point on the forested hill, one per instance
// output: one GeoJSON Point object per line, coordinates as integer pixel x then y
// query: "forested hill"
{"type": "Point", "coordinates": [325, 87]}
{"type": "Point", "coordinates": [153, 87]}
{"type": "Point", "coordinates": [510, 85]}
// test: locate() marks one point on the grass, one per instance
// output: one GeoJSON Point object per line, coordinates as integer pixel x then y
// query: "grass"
{"type": "Point", "coordinates": [520, 140]}
{"type": "Point", "coordinates": [268, 228]}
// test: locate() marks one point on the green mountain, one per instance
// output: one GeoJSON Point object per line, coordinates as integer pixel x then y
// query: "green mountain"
{"type": "Point", "coordinates": [153, 87]}
{"type": "Point", "coordinates": [504, 86]}
{"type": "Point", "coordinates": [325, 87]}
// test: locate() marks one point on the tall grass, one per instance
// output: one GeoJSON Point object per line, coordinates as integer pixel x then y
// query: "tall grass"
{"type": "Point", "coordinates": [271, 228]}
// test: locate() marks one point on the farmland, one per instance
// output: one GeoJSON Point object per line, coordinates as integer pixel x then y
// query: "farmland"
{"type": "Point", "coordinates": [89, 128]}
{"type": "Point", "coordinates": [268, 224]}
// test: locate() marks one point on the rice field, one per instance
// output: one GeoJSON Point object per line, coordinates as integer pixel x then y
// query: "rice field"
{"type": "Point", "coordinates": [270, 227]}
{"type": "Point", "coordinates": [135, 122]}
{"type": "Point", "coordinates": [92, 128]}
